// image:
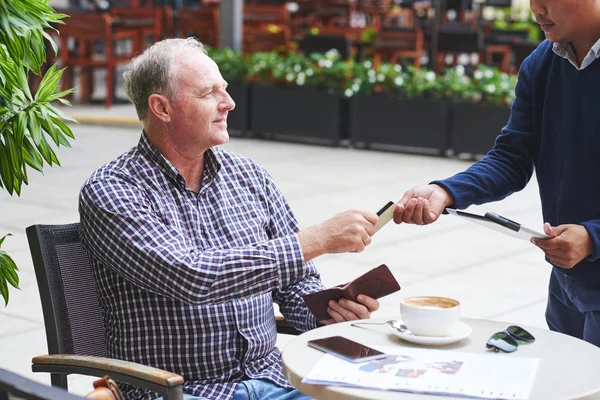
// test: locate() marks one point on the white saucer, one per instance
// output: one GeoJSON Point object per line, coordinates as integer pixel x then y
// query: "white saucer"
{"type": "Point", "coordinates": [459, 332]}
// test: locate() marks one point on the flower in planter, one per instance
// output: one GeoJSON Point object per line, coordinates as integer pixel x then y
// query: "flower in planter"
{"type": "Point", "coordinates": [422, 82]}
{"type": "Point", "coordinates": [231, 63]}
{"type": "Point", "coordinates": [487, 86]}
{"type": "Point", "coordinates": [266, 67]}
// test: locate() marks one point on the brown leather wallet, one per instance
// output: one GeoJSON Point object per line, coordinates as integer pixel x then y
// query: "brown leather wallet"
{"type": "Point", "coordinates": [376, 283]}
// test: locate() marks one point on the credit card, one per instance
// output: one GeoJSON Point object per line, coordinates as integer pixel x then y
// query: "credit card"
{"type": "Point", "coordinates": [386, 214]}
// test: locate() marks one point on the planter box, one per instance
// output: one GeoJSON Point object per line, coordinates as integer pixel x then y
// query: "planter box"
{"type": "Point", "coordinates": [474, 127]}
{"type": "Point", "coordinates": [420, 125]}
{"type": "Point", "coordinates": [237, 119]}
{"type": "Point", "coordinates": [297, 114]}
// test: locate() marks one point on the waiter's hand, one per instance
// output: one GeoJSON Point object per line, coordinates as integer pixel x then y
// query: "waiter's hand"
{"type": "Point", "coordinates": [568, 245]}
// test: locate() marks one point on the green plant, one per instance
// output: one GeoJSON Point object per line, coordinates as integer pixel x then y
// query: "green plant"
{"type": "Point", "coordinates": [320, 71]}
{"type": "Point", "coordinates": [28, 122]}
{"type": "Point", "coordinates": [231, 63]}
{"type": "Point", "coordinates": [261, 66]}
{"type": "Point", "coordinates": [366, 79]}
{"type": "Point", "coordinates": [423, 83]}
{"type": "Point", "coordinates": [487, 85]}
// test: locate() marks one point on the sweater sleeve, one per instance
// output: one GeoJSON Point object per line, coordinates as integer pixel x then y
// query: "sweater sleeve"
{"type": "Point", "coordinates": [508, 167]}
{"type": "Point", "coordinates": [593, 228]}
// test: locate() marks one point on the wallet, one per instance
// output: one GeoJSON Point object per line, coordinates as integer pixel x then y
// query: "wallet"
{"type": "Point", "coordinates": [376, 283]}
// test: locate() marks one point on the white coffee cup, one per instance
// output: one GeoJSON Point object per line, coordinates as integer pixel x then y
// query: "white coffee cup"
{"type": "Point", "coordinates": [430, 315]}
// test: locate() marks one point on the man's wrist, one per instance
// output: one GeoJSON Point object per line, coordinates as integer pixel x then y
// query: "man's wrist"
{"type": "Point", "coordinates": [448, 200]}
{"type": "Point", "coordinates": [312, 242]}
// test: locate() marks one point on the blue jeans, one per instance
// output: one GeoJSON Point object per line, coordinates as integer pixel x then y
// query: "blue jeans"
{"type": "Point", "coordinates": [573, 308]}
{"type": "Point", "coordinates": [258, 389]}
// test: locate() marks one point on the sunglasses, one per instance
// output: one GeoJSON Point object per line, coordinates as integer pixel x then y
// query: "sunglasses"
{"type": "Point", "coordinates": [508, 340]}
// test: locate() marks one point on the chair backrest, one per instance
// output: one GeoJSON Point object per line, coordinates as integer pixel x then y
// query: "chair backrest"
{"type": "Point", "coordinates": [265, 14]}
{"type": "Point", "coordinates": [263, 39]}
{"type": "Point", "coordinates": [203, 23]}
{"type": "Point", "coordinates": [72, 314]}
{"type": "Point", "coordinates": [17, 387]}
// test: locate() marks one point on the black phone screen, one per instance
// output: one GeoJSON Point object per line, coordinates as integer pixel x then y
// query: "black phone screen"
{"type": "Point", "coordinates": [346, 348]}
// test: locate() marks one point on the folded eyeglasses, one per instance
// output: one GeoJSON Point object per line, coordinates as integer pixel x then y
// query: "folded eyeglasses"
{"type": "Point", "coordinates": [508, 340]}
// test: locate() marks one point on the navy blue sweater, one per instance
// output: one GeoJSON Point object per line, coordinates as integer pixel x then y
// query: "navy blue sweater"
{"type": "Point", "coordinates": [555, 127]}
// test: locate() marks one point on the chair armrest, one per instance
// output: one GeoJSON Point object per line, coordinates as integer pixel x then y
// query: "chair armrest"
{"type": "Point", "coordinates": [159, 380]}
{"type": "Point", "coordinates": [284, 327]}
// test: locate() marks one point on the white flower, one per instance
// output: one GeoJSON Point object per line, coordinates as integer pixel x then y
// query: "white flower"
{"type": "Point", "coordinates": [398, 68]}
{"type": "Point", "coordinates": [504, 85]}
{"type": "Point", "coordinates": [372, 79]}
{"type": "Point", "coordinates": [355, 87]}
{"type": "Point", "coordinates": [333, 53]}
{"type": "Point", "coordinates": [463, 59]}
{"type": "Point", "coordinates": [297, 68]}
{"type": "Point", "coordinates": [309, 72]}
{"type": "Point", "coordinates": [292, 7]}
{"type": "Point", "coordinates": [348, 92]}
{"type": "Point", "coordinates": [371, 73]}
{"type": "Point", "coordinates": [380, 77]}
{"type": "Point", "coordinates": [478, 75]}
{"type": "Point", "coordinates": [399, 81]}
{"type": "Point", "coordinates": [321, 63]}
{"type": "Point", "coordinates": [300, 80]}
{"type": "Point", "coordinates": [490, 88]}
{"type": "Point", "coordinates": [289, 77]}
{"type": "Point", "coordinates": [327, 63]}
{"type": "Point", "coordinates": [367, 64]}
{"type": "Point", "coordinates": [430, 76]}
{"type": "Point", "coordinates": [488, 73]}
{"type": "Point", "coordinates": [460, 70]}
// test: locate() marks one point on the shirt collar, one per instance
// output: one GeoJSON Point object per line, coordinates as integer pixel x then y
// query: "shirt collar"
{"type": "Point", "coordinates": [212, 164]}
{"type": "Point", "coordinates": [565, 50]}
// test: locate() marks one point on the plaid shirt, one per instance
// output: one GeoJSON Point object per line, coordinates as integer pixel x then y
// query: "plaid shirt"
{"type": "Point", "coordinates": [187, 280]}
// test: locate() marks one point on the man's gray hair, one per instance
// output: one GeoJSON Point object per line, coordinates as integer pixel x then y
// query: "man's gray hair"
{"type": "Point", "coordinates": [152, 71]}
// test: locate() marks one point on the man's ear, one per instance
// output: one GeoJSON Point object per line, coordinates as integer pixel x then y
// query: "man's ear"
{"type": "Point", "coordinates": [160, 106]}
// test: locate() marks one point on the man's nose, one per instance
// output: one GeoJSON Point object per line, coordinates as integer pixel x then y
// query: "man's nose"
{"type": "Point", "coordinates": [228, 103]}
{"type": "Point", "coordinates": [538, 7]}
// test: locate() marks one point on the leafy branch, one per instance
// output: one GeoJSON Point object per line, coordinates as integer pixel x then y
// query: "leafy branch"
{"type": "Point", "coordinates": [29, 123]}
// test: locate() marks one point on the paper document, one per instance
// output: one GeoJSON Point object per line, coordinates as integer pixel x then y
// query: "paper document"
{"type": "Point", "coordinates": [488, 376]}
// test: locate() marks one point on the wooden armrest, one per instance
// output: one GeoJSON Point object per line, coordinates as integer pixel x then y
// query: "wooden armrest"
{"type": "Point", "coordinates": [110, 365]}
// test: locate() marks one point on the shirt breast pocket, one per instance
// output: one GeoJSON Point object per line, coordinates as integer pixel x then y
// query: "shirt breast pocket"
{"type": "Point", "coordinates": [243, 224]}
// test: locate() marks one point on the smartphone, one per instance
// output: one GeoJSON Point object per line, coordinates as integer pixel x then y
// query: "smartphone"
{"type": "Point", "coordinates": [347, 349]}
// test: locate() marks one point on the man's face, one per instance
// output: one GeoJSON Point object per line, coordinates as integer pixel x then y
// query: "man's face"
{"type": "Point", "coordinates": [566, 20]}
{"type": "Point", "coordinates": [200, 103]}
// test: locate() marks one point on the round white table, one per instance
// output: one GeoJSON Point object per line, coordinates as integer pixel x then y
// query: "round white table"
{"type": "Point", "coordinates": [569, 368]}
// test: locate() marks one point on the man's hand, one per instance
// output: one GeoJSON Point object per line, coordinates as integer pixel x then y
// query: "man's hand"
{"type": "Point", "coordinates": [422, 205]}
{"type": "Point", "coordinates": [349, 231]}
{"type": "Point", "coordinates": [348, 310]}
{"type": "Point", "coordinates": [569, 244]}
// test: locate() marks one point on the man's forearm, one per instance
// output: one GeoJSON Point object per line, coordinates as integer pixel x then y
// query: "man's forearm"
{"type": "Point", "coordinates": [312, 243]}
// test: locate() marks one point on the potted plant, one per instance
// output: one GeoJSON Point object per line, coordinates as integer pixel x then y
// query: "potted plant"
{"type": "Point", "coordinates": [391, 106]}
{"type": "Point", "coordinates": [30, 126]}
{"type": "Point", "coordinates": [481, 107]}
{"type": "Point", "coordinates": [298, 97]}
{"type": "Point", "coordinates": [234, 69]}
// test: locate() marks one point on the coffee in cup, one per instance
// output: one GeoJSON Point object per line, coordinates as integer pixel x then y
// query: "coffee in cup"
{"type": "Point", "coordinates": [430, 315]}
